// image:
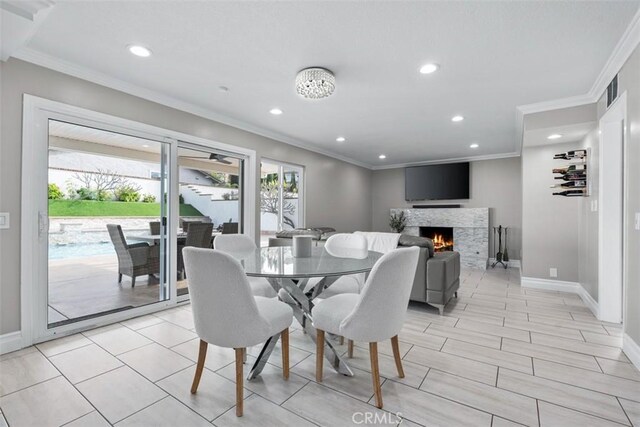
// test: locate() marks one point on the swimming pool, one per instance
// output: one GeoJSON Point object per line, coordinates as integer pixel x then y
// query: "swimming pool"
{"type": "Point", "coordinates": [80, 250]}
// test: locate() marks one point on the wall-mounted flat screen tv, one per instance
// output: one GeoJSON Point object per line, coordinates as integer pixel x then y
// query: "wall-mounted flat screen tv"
{"type": "Point", "coordinates": [437, 182]}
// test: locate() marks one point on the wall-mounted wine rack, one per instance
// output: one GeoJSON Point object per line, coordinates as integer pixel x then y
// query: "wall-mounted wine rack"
{"type": "Point", "coordinates": [572, 177]}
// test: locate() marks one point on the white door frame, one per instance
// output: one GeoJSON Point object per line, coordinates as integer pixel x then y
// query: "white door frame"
{"type": "Point", "coordinates": [301, 190]}
{"type": "Point", "coordinates": [34, 223]}
{"type": "Point", "coordinates": [612, 218]}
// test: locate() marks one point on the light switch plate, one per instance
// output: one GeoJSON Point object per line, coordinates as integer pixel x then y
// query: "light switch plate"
{"type": "Point", "coordinates": [553, 272]}
{"type": "Point", "coordinates": [4, 220]}
{"type": "Point", "coordinates": [594, 206]}
{"type": "Point", "coordinates": [637, 222]}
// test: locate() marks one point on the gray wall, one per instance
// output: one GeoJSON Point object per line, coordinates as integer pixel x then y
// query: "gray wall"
{"type": "Point", "coordinates": [494, 184]}
{"type": "Point", "coordinates": [550, 224]}
{"type": "Point", "coordinates": [338, 193]}
{"type": "Point", "coordinates": [629, 81]}
{"type": "Point", "coordinates": [588, 223]}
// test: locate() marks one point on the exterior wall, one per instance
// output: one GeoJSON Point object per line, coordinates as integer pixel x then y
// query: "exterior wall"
{"type": "Point", "coordinates": [495, 184]}
{"type": "Point", "coordinates": [338, 193]}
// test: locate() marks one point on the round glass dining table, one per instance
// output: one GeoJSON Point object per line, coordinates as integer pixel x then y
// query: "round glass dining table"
{"type": "Point", "coordinates": [291, 275]}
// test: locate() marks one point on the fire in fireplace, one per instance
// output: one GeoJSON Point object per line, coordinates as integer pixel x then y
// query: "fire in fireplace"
{"type": "Point", "coordinates": [442, 237]}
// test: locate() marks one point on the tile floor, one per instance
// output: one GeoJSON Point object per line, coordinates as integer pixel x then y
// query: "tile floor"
{"type": "Point", "coordinates": [501, 356]}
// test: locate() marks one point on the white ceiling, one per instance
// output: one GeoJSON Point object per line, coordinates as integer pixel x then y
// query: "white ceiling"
{"type": "Point", "coordinates": [494, 56]}
{"type": "Point", "coordinates": [573, 124]}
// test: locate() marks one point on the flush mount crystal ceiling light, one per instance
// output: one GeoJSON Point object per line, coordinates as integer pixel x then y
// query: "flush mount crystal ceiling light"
{"type": "Point", "coordinates": [315, 83]}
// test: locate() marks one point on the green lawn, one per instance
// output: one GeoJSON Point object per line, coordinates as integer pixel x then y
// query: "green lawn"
{"type": "Point", "coordinates": [94, 208]}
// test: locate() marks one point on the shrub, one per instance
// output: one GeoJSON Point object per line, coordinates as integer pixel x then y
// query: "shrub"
{"type": "Point", "coordinates": [127, 193]}
{"type": "Point", "coordinates": [397, 222]}
{"type": "Point", "coordinates": [55, 193]}
{"type": "Point", "coordinates": [103, 195]}
{"type": "Point", "coordinates": [83, 193]}
{"type": "Point", "coordinates": [148, 198]}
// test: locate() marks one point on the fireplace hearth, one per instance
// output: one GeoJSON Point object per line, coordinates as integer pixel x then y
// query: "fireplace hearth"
{"type": "Point", "coordinates": [442, 237]}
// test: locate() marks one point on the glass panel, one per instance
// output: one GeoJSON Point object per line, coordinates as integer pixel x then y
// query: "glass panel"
{"type": "Point", "coordinates": [104, 203]}
{"type": "Point", "coordinates": [280, 201]}
{"type": "Point", "coordinates": [210, 188]}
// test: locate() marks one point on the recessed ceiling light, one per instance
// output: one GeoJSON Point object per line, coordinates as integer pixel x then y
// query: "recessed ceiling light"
{"type": "Point", "coordinates": [474, 145]}
{"type": "Point", "coordinates": [429, 68]}
{"type": "Point", "coordinates": [554, 136]}
{"type": "Point", "coordinates": [341, 139]}
{"type": "Point", "coordinates": [139, 50]}
{"type": "Point", "coordinates": [145, 145]}
{"type": "Point", "coordinates": [457, 118]}
{"type": "Point", "coordinates": [382, 157]}
{"type": "Point", "coordinates": [275, 111]}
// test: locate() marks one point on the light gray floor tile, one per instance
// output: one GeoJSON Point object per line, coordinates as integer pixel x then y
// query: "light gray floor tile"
{"type": "Point", "coordinates": [119, 393]}
{"type": "Point", "coordinates": [489, 355]}
{"type": "Point", "coordinates": [452, 364]}
{"type": "Point", "coordinates": [477, 317]}
{"type": "Point", "coordinates": [178, 316]}
{"type": "Point", "coordinates": [295, 354]}
{"type": "Point", "coordinates": [490, 399]}
{"type": "Point", "coordinates": [3, 421]}
{"type": "Point", "coordinates": [269, 384]}
{"type": "Point", "coordinates": [613, 331]}
{"type": "Point", "coordinates": [553, 354]}
{"type": "Point", "coordinates": [632, 410]}
{"type": "Point", "coordinates": [215, 395]}
{"type": "Point", "coordinates": [501, 422]}
{"type": "Point", "coordinates": [167, 334]}
{"type": "Point", "coordinates": [504, 313]}
{"type": "Point", "coordinates": [619, 369]}
{"type": "Point", "coordinates": [92, 419]}
{"type": "Point", "coordinates": [167, 412]}
{"type": "Point", "coordinates": [18, 353]}
{"type": "Point", "coordinates": [428, 409]}
{"type": "Point", "coordinates": [217, 357]}
{"type": "Point", "coordinates": [500, 331]}
{"type": "Point", "coordinates": [117, 339]}
{"type": "Point", "coordinates": [566, 323]}
{"type": "Point", "coordinates": [154, 361]}
{"type": "Point", "coordinates": [84, 363]}
{"type": "Point", "coordinates": [464, 335]}
{"type": "Point", "coordinates": [602, 339]}
{"type": "Point", "coordinates": [544, 329]}
{"type": "Point", "coordinates": [579, 347]}
{"type": "Point", "coordinates": [327, 407]}
{"type": "Point", "coordinates": [142, 322]}
{"type": "Point", "coordinates": [25, 370]}
{"type": "Point", "coordinates": [554, 416]}
{"type": "Point", "coordinates": [423, 340]}
{"type": "Point", "coordinates": [51, 403]}
{"type": "Point", "coordinates": [603, 383]}
{"type": "Point", "coordinates": [384, 347]}
{"type": "Point", "coordinates": [496, 305]}
{"type": "Point", "coordinates": [577, 398]}
{"type": "Point", "coordinates": [260, 412]}
{"type": "Point", "coordinates": [60, 345]}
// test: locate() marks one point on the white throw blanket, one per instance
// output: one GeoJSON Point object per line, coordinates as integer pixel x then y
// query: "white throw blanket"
{"type": "Point", "coordinates": [381, 242]}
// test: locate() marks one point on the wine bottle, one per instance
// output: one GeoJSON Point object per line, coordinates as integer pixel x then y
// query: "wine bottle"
{"type": "Point", "coordinates": [571, 184]}
{"type": "Point", "coordinates": [571, 155]}
{"type": "Point", "coordinates": [570, 168]}
{"type": "Point", "coordinates": [572, 176]}
{"type": "Point", "coordinates": [569, 193]}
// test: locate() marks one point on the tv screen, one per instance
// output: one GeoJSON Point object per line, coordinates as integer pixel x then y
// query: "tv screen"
{"type": "Point", "coordinates": [437, 182]}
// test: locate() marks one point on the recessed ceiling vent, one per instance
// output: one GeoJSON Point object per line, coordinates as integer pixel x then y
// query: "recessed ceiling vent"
{"type": "Point", "coordinates": [612, 91]}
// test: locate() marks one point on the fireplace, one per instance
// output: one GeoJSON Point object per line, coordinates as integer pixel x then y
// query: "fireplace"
{"type": "Point", "coordinates": [442, 237]}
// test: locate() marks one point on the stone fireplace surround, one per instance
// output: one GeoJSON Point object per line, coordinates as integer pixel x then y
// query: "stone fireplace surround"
{"type": "Point", "coordinates": [470, 230]}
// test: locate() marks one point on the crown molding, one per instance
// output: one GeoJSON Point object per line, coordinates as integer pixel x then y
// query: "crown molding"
{"type": "Point", "coordinates": [450, 160]}
{"type": "Point", "coordinates": [85, 73]}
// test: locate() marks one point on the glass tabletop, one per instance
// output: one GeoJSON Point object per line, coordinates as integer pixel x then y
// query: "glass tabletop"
{"type": "Point", "coordinates": [279, 262]}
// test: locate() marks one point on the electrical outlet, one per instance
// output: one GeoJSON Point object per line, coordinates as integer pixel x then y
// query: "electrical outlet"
{"type": "Point", "coordinates": [553, 272]}
{"type": "Point", "coordinates": [637, 222]}
{"type": "Point", "coordinates": [594, 206]}
{"type": "Point", "coordinates": [5, 220]}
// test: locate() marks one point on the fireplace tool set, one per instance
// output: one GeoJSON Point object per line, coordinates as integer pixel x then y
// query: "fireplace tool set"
{"type": "Point", "coordinates": [502, 256]}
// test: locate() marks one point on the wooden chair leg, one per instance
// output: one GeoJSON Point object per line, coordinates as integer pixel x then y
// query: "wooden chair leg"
{"type": "Point", "coordinates": [285, 353]}
{"type": "Point", "coordinates": [244, 355]}
{"type": "Point", "coordinates": [119, 277]}
{"type": "Point", "coordinates": [202, 355]}
{"type": "Point", "coordinates": [375, 373]}
{"type": "Point", "coordinates": [350, 349]}
{"type": "Point", "coordinates": [396, 355]}
{"type": "Point", "coordinates": [133, 281]}
{"type": "Point", "coordinates": [319, 354]}
{"type": "Point", "coordinates": [341, 340]}
{"type": "Point", "coordinates": [239, 385]}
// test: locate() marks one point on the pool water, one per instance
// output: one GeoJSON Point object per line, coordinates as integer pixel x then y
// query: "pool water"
{"type": "Point", "coordinates": [80, 250]}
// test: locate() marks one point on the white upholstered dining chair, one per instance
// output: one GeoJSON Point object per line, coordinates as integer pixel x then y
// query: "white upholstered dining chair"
{"type": "Point", "coordinates": [240, 243]}
{"type": "Point", "coordinates": [226, 313]}
{"type": "Point", "coordinates": [375, 315]}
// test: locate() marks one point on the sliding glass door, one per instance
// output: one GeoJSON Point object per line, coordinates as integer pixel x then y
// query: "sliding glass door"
{"type": "Point", "coordinates": [281, 198]}
{"type": "Point", "coordinates": [106, 203]}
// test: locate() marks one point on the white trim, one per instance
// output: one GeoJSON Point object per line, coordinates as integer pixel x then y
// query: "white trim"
{"type": "Point", "coordinates": [452, 160]}
{"type": "Point", "coordinates": [562, 286]}
{"type": "Point", "coordinates": [10, 342]}
{"type": "Point", "coordinates": [631, 349]}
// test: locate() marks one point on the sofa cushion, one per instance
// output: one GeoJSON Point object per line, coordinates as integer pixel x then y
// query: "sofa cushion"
{"type": "Point", "coordinates": [423, 242]}
{"type": "Point", "coordinates": [443, 270]}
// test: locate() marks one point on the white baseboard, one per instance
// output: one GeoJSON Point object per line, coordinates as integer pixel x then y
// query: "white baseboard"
{"type": "Point", "coordinates": [562, 286]}
{"type": "Point", "coordinates": [631, 349]}
{"type": "Point", "coordinates": [10, 342]}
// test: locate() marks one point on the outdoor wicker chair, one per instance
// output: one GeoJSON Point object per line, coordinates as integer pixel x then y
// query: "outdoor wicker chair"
{"type": "Point", "coordinates": [134, 260]}
{"type": "Point", "coordinates": [154, 228]}
{"type": "Point", "coordinates": [199, 236]}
